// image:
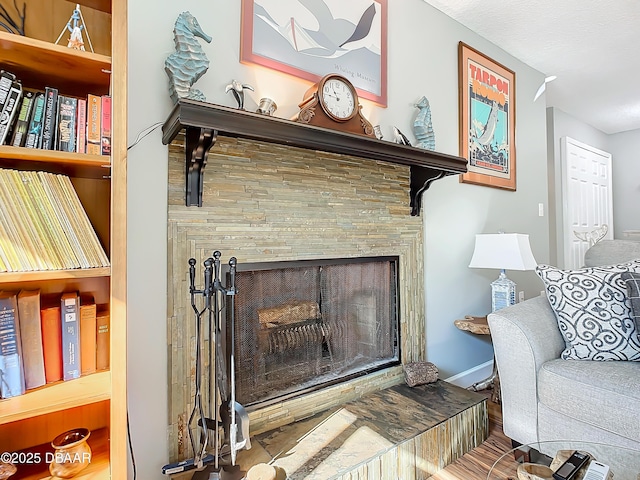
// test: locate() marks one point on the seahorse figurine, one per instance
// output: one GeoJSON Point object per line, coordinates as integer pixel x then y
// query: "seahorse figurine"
{"type": "Point", "coordinates": [422, 127]}
{"type": "Point", "coordinates": [189, 62]}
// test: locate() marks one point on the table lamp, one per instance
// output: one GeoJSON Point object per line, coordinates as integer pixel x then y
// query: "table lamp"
{"type": "Point", "coordinates": [503, 251]}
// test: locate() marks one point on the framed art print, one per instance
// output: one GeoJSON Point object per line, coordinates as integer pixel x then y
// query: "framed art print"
{"type": "Point", "coordinates": [312, 38]}
{"type": "Point", "coordinates": [487, 120]}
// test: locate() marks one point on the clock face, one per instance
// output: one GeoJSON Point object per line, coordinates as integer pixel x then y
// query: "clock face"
{"type": "Point", "coordinates": [338, 99]}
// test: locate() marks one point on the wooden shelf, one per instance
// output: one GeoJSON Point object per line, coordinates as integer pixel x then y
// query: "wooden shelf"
{"type": "Point", "coordinates": [102, 5]}
{"type": "Point", "coordinates": [38, 64]}
{"type": "Point", "coordinates": [98, 469]}
{"type": "Point", "coordinates": [71, 164]}
{"type": "Point", "coordinates": [10, 277]}
{"type": "Point", "coordinates": [55, 397]}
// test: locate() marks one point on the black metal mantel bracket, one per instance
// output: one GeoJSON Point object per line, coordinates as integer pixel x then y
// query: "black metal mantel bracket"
{"type": "Point", "coordinates": [203, 122]}
{"type": "Point", "coordinates": [198, 142]}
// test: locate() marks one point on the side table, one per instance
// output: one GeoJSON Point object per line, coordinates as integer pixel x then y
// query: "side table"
{"type": "Point", "coordinates": [480, 326]}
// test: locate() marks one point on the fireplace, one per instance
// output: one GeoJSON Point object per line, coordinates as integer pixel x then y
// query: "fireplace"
{"type": "Point", "coordinates": [305, 325]}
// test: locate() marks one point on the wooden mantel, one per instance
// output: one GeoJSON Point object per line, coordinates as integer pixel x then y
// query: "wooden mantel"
{"type": "Point", "coordinates": [203, 122]}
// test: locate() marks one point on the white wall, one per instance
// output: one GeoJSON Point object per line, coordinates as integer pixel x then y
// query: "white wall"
{"type": "Point", "coordinates": [625, 148]}
{"type": "Point", "coordinates": [423, 54]}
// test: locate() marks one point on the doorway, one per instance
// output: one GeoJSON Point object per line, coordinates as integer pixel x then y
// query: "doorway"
{"type": "Point", "coordinates": [587, 199]}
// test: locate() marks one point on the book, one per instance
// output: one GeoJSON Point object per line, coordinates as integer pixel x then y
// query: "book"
{"type": "Point", "coordinates": [66, 128]}
{"type": "Point", "coordinates": [19, 136]}
{"type": "Point", "coordinates": [6, 81]}
{"type": "Point", "coordinates": [49, 118]}
{"type": "Point", "coordinates": [11, 371]}
{"type": "Point", "coordinates": [31, 338]}
{"type": "Point", "coordinates": [94, 117]}
{"type": "Point", "coordinates": [102, 337]}
{"type": "Point", "coordinates": [69, 317]}
{"type": "Point", "coordinates": [34, 132]}
{"type": "Point", "coordinates": [81, 127]}
{"type": "Point", "coordinates": [9, 110]}
{"type": "Point", "coordinates": [88, 335]}
{"type": "Point", "coordinates": [105, 125]}
{"type": "Point", "coordinates": [52, 339]}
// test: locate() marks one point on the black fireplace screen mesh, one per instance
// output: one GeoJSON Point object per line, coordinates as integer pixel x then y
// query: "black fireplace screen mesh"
{"type": "Point", "coordinates": [303, 325]}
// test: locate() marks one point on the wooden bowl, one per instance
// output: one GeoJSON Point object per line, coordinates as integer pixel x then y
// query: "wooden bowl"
{"type": "Point", "coordinates": [531, 471]}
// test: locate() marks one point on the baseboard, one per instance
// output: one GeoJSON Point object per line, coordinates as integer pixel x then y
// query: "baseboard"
{"type": "Point", "coordinates": [469, 377]}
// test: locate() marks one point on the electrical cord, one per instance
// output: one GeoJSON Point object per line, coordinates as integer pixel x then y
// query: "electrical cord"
{"type": "Point", "coordinates": [133, 460]}
{"type": "Point", "coordinates": [144, 133]}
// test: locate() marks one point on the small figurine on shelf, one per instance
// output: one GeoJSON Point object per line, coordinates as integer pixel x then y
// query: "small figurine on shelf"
{"type": "Point", "coordinates": [75, 29]}
{"type": "Point", "coordinates": [188, 63]}
{"type": "Point", "coordinates": [238, 89]}
{"type": "Point", "coordinates": [400, 138]}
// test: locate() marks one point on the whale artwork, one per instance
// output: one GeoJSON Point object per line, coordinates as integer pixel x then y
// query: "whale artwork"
{"type": "Point", "coordinates": [188, 63]}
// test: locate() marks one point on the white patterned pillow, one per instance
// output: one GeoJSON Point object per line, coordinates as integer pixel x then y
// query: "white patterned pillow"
{"type": "Point", "coordinates": [593, 311]}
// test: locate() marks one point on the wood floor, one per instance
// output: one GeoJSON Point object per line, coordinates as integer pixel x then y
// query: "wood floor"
{"type": "Point", "coordinates": [476, 464]}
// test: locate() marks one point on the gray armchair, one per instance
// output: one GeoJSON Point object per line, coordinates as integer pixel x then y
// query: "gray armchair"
{"type": "Point", "coordinates": [546, 398]}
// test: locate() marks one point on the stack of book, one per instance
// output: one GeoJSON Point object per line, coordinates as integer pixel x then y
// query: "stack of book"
{"type": "Point", "coordinates": [44, 341]}
{"type": "Point", "coordinates": [43, 225]}
{"type": "Point", "coordinates": [51, 121]}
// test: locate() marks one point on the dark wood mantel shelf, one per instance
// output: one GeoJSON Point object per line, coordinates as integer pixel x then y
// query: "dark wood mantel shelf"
{"type": "Point", "coordinates": [204, 121]}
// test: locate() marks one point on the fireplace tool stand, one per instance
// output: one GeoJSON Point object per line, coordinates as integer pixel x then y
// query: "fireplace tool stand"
{"type": "Point", "coordinates": [214, 458]}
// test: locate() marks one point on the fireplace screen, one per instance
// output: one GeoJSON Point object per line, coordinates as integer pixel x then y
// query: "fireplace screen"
{"type": "Point", "coordinates": [303, 325]}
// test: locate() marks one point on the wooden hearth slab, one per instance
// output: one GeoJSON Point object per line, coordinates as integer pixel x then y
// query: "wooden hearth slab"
{"type": "Point", "coordinates": [399, 432]}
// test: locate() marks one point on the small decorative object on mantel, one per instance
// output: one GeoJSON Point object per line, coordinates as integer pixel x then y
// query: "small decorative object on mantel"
{"type": "Point", "coordinates": [75, 28]}
{"type": "Point", "coordinates": [238, 89]}
{"type": "Point", "coordinates": [188, 63]}
{"type": "Point", "coordinates": [378, 132]}
{"type": "Point", "coordinates": [400, 137]}
{"type": "Point", "coordinates": [72, 453]}
{"type": "Point", "coordinates": [419, 373]}
{"type": "Point", "coordinates": [422, 127]}
{"type": "Point", "coordinates": [10, 25]}
{"type": "Point", "coordinates": [267, 107]}
{"type": "Point", "coordinates": [333, 103]}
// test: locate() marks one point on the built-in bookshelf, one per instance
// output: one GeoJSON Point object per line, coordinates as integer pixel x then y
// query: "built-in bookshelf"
{"type": "Point", "coordinates": [98, 400]}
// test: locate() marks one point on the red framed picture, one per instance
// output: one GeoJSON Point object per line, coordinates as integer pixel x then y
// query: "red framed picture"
{"type": "Point", "coordinates": [487, 120]}
{"type": "Point", "coordinates": [309, 39]}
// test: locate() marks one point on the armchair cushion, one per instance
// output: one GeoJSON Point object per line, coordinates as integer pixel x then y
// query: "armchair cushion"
{"type": "Point", "coordinates": [593, 311]}
{"type": "Point", "coordinates": [633, 291]}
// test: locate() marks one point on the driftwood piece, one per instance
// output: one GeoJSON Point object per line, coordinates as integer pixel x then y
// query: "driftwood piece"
{"type": "Point", "coordinates": [475, 325]}
{"type": "Point", "coordinates": [293, 311]}
{"type": "Point", "coordinates": [419, 373]}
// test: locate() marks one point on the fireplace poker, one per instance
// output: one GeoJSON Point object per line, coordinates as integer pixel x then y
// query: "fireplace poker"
{"type": "Point", "coordinates": [201, 457]}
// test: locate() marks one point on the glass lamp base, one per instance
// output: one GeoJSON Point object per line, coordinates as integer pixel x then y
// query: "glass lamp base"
{"type": "Point", "coordinates": [503, 292]}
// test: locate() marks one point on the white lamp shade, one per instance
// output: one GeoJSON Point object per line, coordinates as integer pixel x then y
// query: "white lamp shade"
{"type": "Point", "coordinates": [504, 251]}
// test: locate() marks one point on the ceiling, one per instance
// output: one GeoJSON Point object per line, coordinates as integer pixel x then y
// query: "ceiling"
{"type": "Point", "coordinates": [592, 47]}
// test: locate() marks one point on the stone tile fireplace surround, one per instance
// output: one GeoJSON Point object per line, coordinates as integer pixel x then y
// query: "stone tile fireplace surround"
{"type": "Point", "coordinates": [265, 202]}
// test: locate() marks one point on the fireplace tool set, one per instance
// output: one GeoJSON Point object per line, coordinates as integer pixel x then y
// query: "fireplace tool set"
{"type": "Point", "coordinates": [214, 456]}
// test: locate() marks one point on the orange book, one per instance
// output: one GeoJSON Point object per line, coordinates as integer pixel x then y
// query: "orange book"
{"type": "Point", "coordinates": [52, 342]}
{"type": "Point", "coordinates": [102, 337]}
{"type": "Point", "coordinates": [31, 338]}
{"type": "Point", "coordinates": [87, 335]}
{"type": "Point", "coordinates": [94, 119]}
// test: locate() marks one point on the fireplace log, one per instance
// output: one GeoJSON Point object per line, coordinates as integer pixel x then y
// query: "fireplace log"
{"type": "Point", "coordinates": [294, 311]}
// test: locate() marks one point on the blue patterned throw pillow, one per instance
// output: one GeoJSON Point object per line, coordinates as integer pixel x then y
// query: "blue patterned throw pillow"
{"type": "Point", "coordinates": [593, 311]}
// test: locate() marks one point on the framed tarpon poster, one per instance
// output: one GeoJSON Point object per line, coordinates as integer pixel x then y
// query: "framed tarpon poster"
{"type": "Point", "coordinates": [311, 38]}
{"type": "Point", "coordinates": [487, 120]}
